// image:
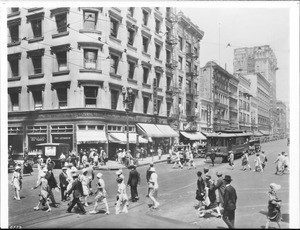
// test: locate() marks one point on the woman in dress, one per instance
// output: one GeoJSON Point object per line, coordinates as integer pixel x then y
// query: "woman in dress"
{"type": "Point", "coordinates": [85, 186]}
{"type": "Point", "coordinates": [16, 182]}
{"type": "Point", "coordinates": [245, 161]}
{"type": "Point", "coordinates": [200, 193]}
{"type": "Point", "coordinates": [274, 205]}
{"type": "Point", "coordinates": [44, 194]}
{"type": "Point", "coordinates": [258, 164]}
{"type": "Point", "coordinates": [121, 205]}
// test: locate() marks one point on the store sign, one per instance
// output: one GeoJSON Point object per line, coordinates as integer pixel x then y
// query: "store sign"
{"type": "Point", "coordinates": [50, 151]}
{"type": "Point", "coordinates": [35, 138]}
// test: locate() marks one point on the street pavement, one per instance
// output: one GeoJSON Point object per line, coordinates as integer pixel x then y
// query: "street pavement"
{"type": "Point", "coordinates": [176, 197]}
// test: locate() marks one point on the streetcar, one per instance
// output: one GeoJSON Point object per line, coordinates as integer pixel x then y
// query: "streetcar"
{"type": "Point", "coordinates": [224, 141]}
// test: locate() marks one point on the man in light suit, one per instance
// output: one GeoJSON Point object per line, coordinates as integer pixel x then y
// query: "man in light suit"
{"type": "Point", "coordinates": [230, 198]}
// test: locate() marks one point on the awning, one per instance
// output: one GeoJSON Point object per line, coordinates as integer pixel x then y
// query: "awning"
{"type": "Point", "coordinates": [150, 130]}
{"type": "Point", "coordinates": [265, 133]}
{"type": "Point", "coordinates": [257, 134]}
{"type": "Point", "coordinates": [121, 138]}
{"type": "Point", "coordinates": [167, 130]}
{"type": "Point", "coordinates": [194, 136]}
{"type": "Point", "coordinates": [91, 137]}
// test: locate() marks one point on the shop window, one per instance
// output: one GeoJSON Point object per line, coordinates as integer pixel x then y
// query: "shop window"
{"type": "Point", "coordinates": [114, 63]}
{"type": "Point", "coordinates": [100, 127]}
{"type": "Point", "coordinates": [114, 27]}
{"type": "Point", "coordinates": [62, 95]}
{"type": "Point", "coordinates": [90, 94]}
{"type": "Point", "coordinates": [90, 58]}
{"type": "Point", "coordinates": [61, 22]}
{"type": "Point", "coordinates": [131, 11]}
{"type": "Point", "coordinates": [37, 99]}
{"type": "Point", "coordinates": [81, 127]}
{"type": "Point", "coordinates": [91, 127]}
{"type": "Point", "coordinates": [157, 50]}
{"type": "Point", "coordinates": [90, 20]}
{"type": "Point", "coordinates": [145, 104]}
{"type": "Point", "coordinates": [157, 25]}
{"type": "Point", "coordinates": [131, 68]}
{"type": "Point", "coordinates": [145, 17]}
{"type": "Point", "coordinates": [114, 99]}
{"type": "Point", "coordinates": [14, 98]}
{"type": "Point", "coordinates": [15, 130]}
{"type": "Point", "coordinates": [145, 74]}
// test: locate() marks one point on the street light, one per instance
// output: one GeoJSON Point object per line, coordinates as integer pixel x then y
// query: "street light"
{"type": "Point", "coordinates": [127, 101]}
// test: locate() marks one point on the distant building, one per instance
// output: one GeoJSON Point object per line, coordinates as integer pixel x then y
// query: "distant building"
{"type": "Point", "coordinates": [233, 103]}
{"type": "Point", "coordinates": [282, 119]}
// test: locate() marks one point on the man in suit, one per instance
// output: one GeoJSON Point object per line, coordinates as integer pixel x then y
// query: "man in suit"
{"type": "Point", "coordinates": [133, 181]}
{"type": "Point", "coordinates": [229, 202]}
{"type": "Point", "coordinates": [77, 193]}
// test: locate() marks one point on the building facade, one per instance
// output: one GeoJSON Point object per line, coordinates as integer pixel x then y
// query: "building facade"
{"type": "Point", "coordinates": [245, 96]}
{"type": "Point", "coordinates": [260, 89]}
{"type": "Point", "coordinates": [282, 119]}
{"type": "Point", "coordinates": [71, 72]}
{"type": "Point", "coordinates": [233, 103]}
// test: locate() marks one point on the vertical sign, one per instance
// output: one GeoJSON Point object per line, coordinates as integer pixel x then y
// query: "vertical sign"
{"type": "Point", "coordinates": [208, 115]}
{"type": "Point", "coordinates": [154, 96]}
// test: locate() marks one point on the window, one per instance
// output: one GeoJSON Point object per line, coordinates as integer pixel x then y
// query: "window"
{"type": "Point", "coordinates": [158, 76]}
{"type": "Point", "coordinates": [90, 93]}
{"type": "Point", "coordinates": [62, 95]}
{"type": "Point", "coordinates": [188, 66]}
{"type": "Point", "coordinates": [37, 64]}
{"type": "Point", "coordinates": [158, 106]}
{"type": "Point", "coordinates": [145, 17]}
{"type": "Point", "coordinates": [188, 107]}
{"type": "Point", "coordinates": [188, 86]}
{"type": "Point", "coordinates": [145, 74]}
{"type": "Point", "coordinates": [114, 27]}
{"type": "Point", "coordinates": [196, 51]}
{"type": "Point", "coordinates": [195, 69]}
{"type": "Point", "coordinates": [145, 104]}
{"type": "Point", "coordinates": [14, 98]}
{"type": "Point", "coordinates": [114, 62]}
{"type": "Point", "coordinates": [188, 47]}
{"type": "Point", "coordinates": [90, 59]}
{"type": "Point", "coordinates": [89, 20]}
{"type": "Point", "coordinates": [169, 105]}
{"type": "Point", "coordinates": [114, 98]}
{"type": "Point", "coordinates": [157, 50]}
{"type": "Point", "coordinates": [195, 87]}
{"type": "Point", "coordinates": [13, 60]}
{"type": "Point", "coordinates": [168, 79]}
{"type": "Point", "coordinates": [62, 60]}
{"type": "Point", "coordinates": [14, 9]}
{"type": "Point", "coordinates": [180, 43]}
{"type": "Point", "coordinates": [157, 25]}
{"type": "Point", "coordinates": [180, 62]}
{"type": "Point", "coordinates": [168, 56]}
{"type": "Point", "coordinates": [114, 128]}
{"type": "Point", "coordinates": [131, 35]}
{"type": "Point", "coordinates": [131, 68]}
{"type": "Point", "coordinates": [145, 44]}
{"type": "Point", "coordinates": [36, 26]}
{"type": "Point", "coordinates": [13, 33]}
{"type": "Point", "coordinates": [61, 22]}
{"type": "Point", "coordinates": [180, 82]}
{"type": "Point", "coordinates": [131, 11]}
{"type": "Point", "coordinates": [37, 99]}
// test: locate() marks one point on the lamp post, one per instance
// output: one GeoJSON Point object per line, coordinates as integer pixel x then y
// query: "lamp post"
{"type": "Point", "coordinates": [127, 101]}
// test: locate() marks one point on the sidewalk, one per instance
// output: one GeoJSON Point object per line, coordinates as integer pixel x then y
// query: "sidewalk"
{"type": "Point", "coordinates": [114, 165]}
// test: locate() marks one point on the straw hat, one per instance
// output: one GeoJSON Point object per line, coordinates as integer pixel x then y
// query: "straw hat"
{"type": "Point", "coordinates": [99, 175]}
{"type": "Point", "coordinates": [275, 187]}
{"type": "Point", "coordinates": [152, 169]}
{"type": "Point", "coordinates": [119, 172]}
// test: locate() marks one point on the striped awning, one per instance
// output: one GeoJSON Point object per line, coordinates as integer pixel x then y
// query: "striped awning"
{"type": "Point", "coordinates": [193, 136]}
{"type": "Point", "coordinates": [157, 131]}
{"type": "Point", "coordinates": [121, 138]}
{"type": "Point", "coordinates": [91, 137]}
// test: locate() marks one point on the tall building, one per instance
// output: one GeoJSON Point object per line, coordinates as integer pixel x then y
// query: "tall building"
{"type": "Point", "coordinates": [216, 90]}
{"type": "Point", "coordinates": [282, 119]}
{"type": "Point", "coordinates": [233, 103]}
{"type": "Point", "coordinates": [76, 75]}
{"type": "Point", "coordinates": [260, 89]}
{"type": "Point", "coordinates": [259, 59]}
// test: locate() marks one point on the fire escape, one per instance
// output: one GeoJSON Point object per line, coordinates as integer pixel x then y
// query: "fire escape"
{"type": "Point", "coordinates": [172, 91]}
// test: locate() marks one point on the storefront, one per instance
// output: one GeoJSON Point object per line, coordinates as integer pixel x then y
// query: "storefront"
{"type": "Point", "coordinates": [62, 134]}
{"type": "Point", "coordinates": [15, 139]}
{"type": "Point", "coordinates": [191, 137]}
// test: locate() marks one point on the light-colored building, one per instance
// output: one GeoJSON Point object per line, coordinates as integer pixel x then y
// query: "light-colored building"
{"type": "Point", "coordinates": [259, 59]}
{"type": "Point", "coordinates": [71, 72]}
{"type": "Point", "coordinates": [233, 103]}
{"type": "Point", "coordinates": [282, 119]}
{"type": "Point", "coordinates": [260, 89]}
{"type": "Point", "coordinates": [220, 93]}
{"type": "Point", "coordinates": [244, 98]}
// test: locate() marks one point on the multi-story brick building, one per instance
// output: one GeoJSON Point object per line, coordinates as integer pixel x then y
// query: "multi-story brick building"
{"type": "Point", "coordinates": [71, 69]}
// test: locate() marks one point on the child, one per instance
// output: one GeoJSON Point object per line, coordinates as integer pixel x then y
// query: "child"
{"type": "Point", "coordinates": [44, 194]}
{"type": "Point", "coordinates": [101, 195]}
{"type": "Point", "coordinates": [16, 182]}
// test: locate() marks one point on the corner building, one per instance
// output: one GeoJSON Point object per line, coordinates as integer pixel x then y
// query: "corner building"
{"type": "Point", "coordinates": [68, 67]}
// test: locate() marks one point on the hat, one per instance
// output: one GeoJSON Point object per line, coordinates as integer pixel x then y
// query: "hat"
{"type": "Point", "coordinates": [205, 170]}
{"type": "Point", "coordinates": [84, 170]}
{"type": "Point", "coordinates": [70, 164]}
{"type": "Point", "coordinates": [122, 176]}
{"type": "Point", "coordinates": [17, 168]}
{"type": "Point", "coordinates": [152, 169]}
{"type": "Point", "coordinates": [99, 175]}
{"type": "Point", "coordinates": [208, 177]}
{"type": "Point", "coordinates": [132, 167]}
{"type": "Point", "coordinates": [75, 174]}
{"type": "Point", "coordinates": [230, 151]}
{"type": "Point", "coordinates": [151, 164]}
{"type": "Point", "coordinates": [64, 168]}
{"type": "Point", "coordinates": [119, 179]}
{"type": "Point", "coordinates": [227, 178]}
{"type": "Point", "coordinates": [218, 173]}
{"type": "Point", "coordinates": [119, 172]}
{"type": "Point", "coordinates": [199, 173]}
{"type": "Point", "coordinates": [275, 186]}
{"type": "Point", "coordinates": [66, 164]}
{"type": "Point", "coordinates": [285, 154]}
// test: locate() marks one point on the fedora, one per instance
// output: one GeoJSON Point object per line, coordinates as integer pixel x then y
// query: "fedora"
{"type": "Point", "coordinates": [227, 178]}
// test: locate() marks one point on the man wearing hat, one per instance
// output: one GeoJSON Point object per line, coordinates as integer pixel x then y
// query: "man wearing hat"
{"type": "Point", "coordinates": [212, 157]}
{"type": "Point", "coordinates": [133, 181]}
{"type": "Point", "coordinates": [231, 159]}
{"type": "Point", "coordinates": [219, 188]}
{"type": "Point", "coordinates": [77, 193]}
{"type": "Point", "coordinates": [230, 199]}
{"type": "Point", "coordinates": [153, 185]}
{"type": "Point", "coordinates": [52, 185]}
{"type": "Point", "coordinates": [63, 183]}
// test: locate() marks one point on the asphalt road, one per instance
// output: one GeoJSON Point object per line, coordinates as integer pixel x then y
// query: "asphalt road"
{"type": "Point", "coordinates": [176, 195]}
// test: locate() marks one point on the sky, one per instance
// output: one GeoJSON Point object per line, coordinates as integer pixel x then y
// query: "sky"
{"type": "Point", "coordinates": [244, 27]}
